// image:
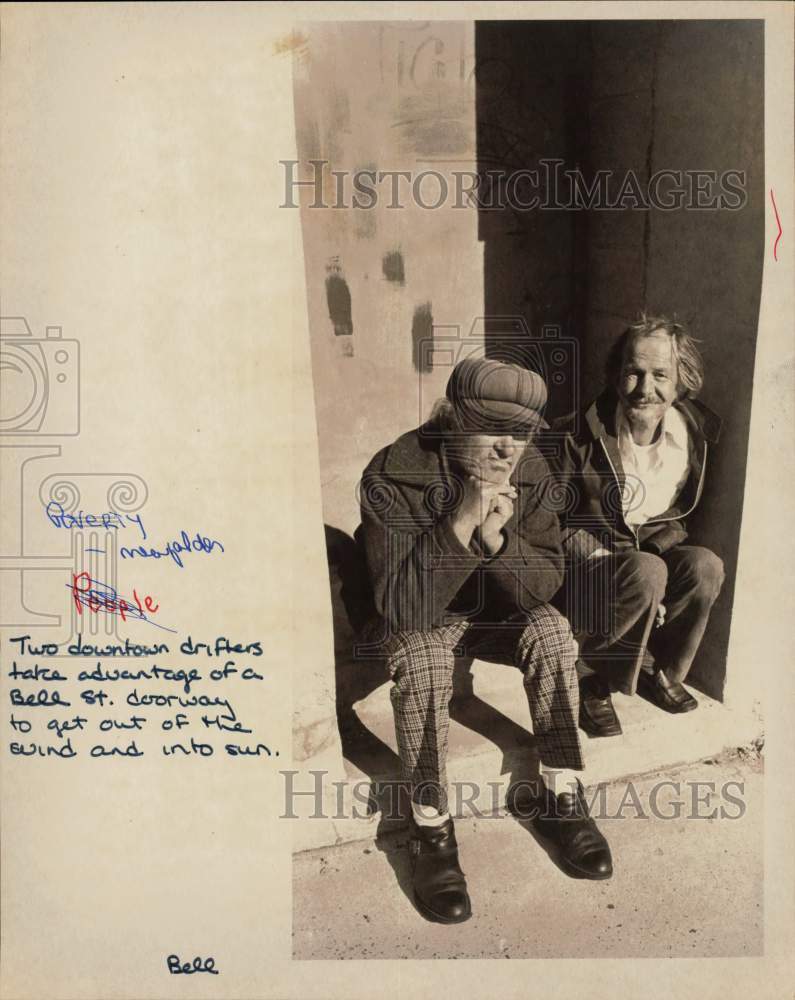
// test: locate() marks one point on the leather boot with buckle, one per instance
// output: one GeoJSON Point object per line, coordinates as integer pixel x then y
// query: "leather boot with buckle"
{"type": "Point", "coordinates": [564, 818]}
{"type": "Point", "coordinates": [440, 889]}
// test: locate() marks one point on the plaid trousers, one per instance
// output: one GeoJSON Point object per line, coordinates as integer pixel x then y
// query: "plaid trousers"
{"type": "Point", "coordinates": [539, 643]}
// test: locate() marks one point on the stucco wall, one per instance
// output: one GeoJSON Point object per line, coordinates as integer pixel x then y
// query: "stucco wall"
{"type": "Point", "coordinates": [384, 97]}
{"type": "Point", "coordinates": [381, 283]}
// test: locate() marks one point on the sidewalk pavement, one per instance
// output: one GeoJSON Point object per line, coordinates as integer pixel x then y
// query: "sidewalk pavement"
{"type": "Point", "coordinates": [682, 887]}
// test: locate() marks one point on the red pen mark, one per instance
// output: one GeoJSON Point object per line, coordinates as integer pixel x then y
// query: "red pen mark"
{"type": "Point", "coordinates": [778, 223]}
{"type": "Point", "coordinates": [96, 596]}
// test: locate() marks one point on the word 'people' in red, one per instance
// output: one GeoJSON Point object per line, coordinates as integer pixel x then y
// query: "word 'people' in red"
{"type": "Point", "coordinates": [97, 596]}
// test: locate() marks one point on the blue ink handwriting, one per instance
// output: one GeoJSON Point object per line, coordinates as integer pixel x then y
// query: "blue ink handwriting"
{"type": "Point", "coordinates": [80, 648]}
{"type": "Point", "coordinates": [174, 548]}
{"type": "Point", "coordinates": [63, 519]}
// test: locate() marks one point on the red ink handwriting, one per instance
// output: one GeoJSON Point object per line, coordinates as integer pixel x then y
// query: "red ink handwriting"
{"type": "Point", "coordinates": [97, 596]}
{"type": "Point", "coordinates": [778, 223]}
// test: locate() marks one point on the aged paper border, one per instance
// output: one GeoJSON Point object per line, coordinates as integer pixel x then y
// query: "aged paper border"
{"type": "Point", "coordinates": [761, 634]}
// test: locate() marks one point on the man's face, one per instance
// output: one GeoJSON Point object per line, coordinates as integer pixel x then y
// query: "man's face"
{"type": "Point", "coordinates": [648, 382]}
{"type": "Point", "coordinates": [492, 457]}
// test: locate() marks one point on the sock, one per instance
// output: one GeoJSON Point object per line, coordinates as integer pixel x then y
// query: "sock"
{"type": "Point", "coordinates": [427, 815]}
{"type": "Point", "coordinates": [560, 779]}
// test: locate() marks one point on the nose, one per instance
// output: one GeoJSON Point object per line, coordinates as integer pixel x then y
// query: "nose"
{"type": "Point", "coordinates": [646, 385]}
{"type": "Point", "coordinates": [505, 447]}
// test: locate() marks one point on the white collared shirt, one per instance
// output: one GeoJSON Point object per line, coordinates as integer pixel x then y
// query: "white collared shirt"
{"type": "Point", "coordinates": [655, 473]}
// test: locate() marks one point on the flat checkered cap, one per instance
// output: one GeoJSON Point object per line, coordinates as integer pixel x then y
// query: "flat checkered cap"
{"type": "Point", "coordinates": [492, 397]}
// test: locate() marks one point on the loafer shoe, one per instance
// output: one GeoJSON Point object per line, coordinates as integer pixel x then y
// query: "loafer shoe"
{"type": "Point", "coordinates": [440, 889]}
{"type": "Point", "coordinates": [666, 694]}
{"type": "Point", "coordinates": [597, 714]}
{"type": "Point", "coordinates": [564, 818]}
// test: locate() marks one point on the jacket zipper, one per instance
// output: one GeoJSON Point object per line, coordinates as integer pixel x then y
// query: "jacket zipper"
{"type": "Point", "coordinates": [657, 520]}
{"type": "Point", "coordinates": [632, 530]}
{"type": "Point", "coordinates": [687, 513]}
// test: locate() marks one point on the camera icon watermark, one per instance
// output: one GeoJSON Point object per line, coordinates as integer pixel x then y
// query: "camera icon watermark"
{"type": "Point", "coordinates": [39, 381]}
{"type": "Point", "coordinates": [40, 401]}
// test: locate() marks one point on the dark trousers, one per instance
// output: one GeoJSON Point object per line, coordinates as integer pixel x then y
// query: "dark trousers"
{"type": "Point", "coordinates": [612, 603]}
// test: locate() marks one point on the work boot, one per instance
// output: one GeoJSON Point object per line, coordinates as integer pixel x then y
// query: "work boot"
{"type": "Point", "coordinates": [440, 889]}
{"type": "Point", "coordinates": [564, 818]}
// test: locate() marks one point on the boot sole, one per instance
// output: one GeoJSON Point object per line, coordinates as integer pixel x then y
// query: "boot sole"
{"type": "Point", "coordinates": [595, 733]}
{"type": "Point", "coordinates": [574, 872]}
{"type": "Point", "coordinates": [688, 707]}
{"type": "Point", "coordinates": [587, 725]}
{"type": "Point", "coordinates": [650, 694]}
{"type": "Point", "coordinates": [436, 917]}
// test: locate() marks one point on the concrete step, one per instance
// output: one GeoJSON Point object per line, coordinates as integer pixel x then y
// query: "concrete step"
{"type": "Point", "coordinates": [491, 746]}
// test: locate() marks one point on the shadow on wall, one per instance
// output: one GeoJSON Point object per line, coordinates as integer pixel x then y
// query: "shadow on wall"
{"type": "Point", "coordinates": [532, 105]}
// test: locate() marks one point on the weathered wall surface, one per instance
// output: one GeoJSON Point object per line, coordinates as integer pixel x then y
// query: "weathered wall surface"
{"type": "Point", "coordinates": [381, 282]}
{"type": "Point", "coordinates": [383, 97]}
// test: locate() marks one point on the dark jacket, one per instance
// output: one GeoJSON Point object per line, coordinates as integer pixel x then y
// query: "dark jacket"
{"type": "Point", "coordinates": [587, 464]}
{"type": "Point", "coordinates": [422, 576]}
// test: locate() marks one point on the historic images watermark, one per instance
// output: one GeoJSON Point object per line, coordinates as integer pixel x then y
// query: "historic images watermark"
{"type": "Point", "coordinates": [550, 186]}
{"type": "Point", "coordinates": [316, 798]}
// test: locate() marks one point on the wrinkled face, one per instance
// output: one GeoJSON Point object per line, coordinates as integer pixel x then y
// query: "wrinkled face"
{"type": "Point", "coordinates": [492, 457]}
{"type": "Point", "coordinates": [648, 382]}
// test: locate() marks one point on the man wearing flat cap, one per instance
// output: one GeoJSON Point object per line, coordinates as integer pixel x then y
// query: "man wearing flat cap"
{"type": "Point", "coordinates": [638, 590]}
{"type": "Point", "coordinates": [462, 552]}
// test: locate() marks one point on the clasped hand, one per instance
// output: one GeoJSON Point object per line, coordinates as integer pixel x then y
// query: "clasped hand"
{"type": "Point", "coordinates": [485, 505]}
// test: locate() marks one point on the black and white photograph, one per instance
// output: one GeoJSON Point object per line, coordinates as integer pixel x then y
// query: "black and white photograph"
{"type": "Point", "coordinates": [534, 254]}
{"type": "Point", "coordinates": [396, 432]}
